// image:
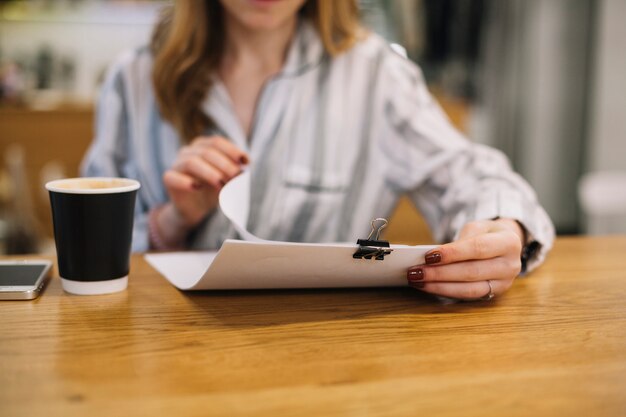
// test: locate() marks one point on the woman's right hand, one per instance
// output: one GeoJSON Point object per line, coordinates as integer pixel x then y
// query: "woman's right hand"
{"type": "Point", "coordinates": [200, 171]}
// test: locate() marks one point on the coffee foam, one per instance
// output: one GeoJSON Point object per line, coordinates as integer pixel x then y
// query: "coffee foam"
{"type": "Point", "coordinates": [93, 185]}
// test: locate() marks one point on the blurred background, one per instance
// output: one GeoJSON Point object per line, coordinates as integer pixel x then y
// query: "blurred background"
{"type": "Point", "coordinates": [542, 80]}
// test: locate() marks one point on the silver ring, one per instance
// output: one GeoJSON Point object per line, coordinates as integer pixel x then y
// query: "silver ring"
{"type": "Point", "coordinates": [490, 295]}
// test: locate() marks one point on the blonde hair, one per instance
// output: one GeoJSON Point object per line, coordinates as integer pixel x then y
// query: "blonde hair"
{"type": "Point", "coordinates": [187, 45]}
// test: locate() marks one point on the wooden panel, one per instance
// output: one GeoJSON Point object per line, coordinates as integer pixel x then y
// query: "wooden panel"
{"type": "Point", "coordinates": [59, 135]}
{"type": "Point", "coordinates": [407, 226]}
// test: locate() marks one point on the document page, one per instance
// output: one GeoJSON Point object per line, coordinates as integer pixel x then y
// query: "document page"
{"type": "Point", "coordinates": [254, 263]}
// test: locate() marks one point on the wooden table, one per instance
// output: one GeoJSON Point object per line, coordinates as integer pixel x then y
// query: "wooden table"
{"type": "Point", "coordinates": [554, 345]}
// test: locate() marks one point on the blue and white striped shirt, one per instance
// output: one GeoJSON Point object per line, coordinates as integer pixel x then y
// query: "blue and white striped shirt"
{"type": "Point", "coordinates": [335, 142]}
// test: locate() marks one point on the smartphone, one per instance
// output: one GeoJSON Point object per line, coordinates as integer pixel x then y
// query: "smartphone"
{"type": "Point", "coordinates": [23, 280]}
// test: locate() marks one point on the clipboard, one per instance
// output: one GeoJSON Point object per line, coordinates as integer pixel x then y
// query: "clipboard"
{"type": "Point", "coordinates": [261, 264]}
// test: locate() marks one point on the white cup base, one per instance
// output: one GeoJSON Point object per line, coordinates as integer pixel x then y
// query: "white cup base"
{"type": "Point", "coordinates": [95, 287]}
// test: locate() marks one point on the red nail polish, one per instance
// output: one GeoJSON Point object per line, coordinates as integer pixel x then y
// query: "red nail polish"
{"type": "Point", "coordinates": [415, 274]}
{"type": "Point", "coordinates": [433, 258]}
{"type": "Point", "coordinates": [418, 284]}
{"type": "Point", "coordinates": [243, 160]}
{"type": "Point", "coordinates": [222, 183]}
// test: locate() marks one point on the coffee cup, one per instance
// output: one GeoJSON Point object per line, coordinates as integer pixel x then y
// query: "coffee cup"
{"type": "Point", "coordinates": [93, 226]}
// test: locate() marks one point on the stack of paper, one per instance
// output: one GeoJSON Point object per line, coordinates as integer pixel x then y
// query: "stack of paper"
{"type": "Point", "coordinates": [254, 263]}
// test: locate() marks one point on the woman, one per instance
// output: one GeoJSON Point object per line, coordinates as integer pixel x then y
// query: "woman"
{"type": "Point", "coordinates": [334, 126]}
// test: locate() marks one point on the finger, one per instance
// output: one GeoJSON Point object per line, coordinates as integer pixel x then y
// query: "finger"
{"type": "Point", "coordinates": [513, 225]}
{"type": "Point", "coordinates": [211, 155]}
{"type": "Point", "coordinates": [225, 146]}
{"type": "Point", "coordinates": [222, 162]}
{"type": "Point", "coordinates": [496, 268]}
{"type": "Point", "coordinates": [198, 168]}
{"type": "Point", "coordinates": [466, 290]}
{"type": "Point", "coordinates": [483, 246]}
{"type": "Point", "coordinates": [475, 228]}
{"type": "Point", "coordinates": [177, 180]}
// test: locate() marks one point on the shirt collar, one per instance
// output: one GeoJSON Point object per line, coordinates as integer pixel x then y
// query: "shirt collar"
{"type": "Point", "coordinates": [305, 52]}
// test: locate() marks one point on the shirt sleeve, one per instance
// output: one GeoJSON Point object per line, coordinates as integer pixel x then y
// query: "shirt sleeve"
{"type": "Point", "coordinates": [451, 180]}
{"type": "Point", "coordinates": [111, 152]}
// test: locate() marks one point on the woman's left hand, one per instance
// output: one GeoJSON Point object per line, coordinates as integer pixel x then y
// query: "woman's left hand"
{"type": "Point", "coordinates": [486, 250]}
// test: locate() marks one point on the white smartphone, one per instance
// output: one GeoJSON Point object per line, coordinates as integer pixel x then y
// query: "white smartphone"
{"type": "Point", "coordinates": [23, 280]}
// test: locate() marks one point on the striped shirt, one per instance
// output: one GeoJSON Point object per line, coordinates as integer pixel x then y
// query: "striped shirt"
{"type": "Point", "coordinates": [335, 142]}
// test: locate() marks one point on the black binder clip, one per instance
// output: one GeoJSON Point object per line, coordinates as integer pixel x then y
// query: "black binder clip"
{"type": "Point", "coordinates": [373, 248]}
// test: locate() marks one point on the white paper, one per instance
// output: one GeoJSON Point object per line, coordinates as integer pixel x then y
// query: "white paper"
{"type": "Point", "coordinates": [235, 204]}
{"type": "Point", "coordinates": [257, 263]}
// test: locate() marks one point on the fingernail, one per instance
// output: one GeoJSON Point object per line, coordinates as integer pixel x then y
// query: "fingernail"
{"type": "Point", "coordinates": [418, 284]}
{"type": "Point", "coordinates": [433, 258]}
{"type": "Point", "coordinates": [415, 274]}
{"type": "Point", "coordinates": [196, 185]}
{"type": "Point", "coordinates": [243, 160]}
{"type": "Point", "coordinates": [222, 183]}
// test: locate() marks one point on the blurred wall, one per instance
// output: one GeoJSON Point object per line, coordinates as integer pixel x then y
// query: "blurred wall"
{"type": "Point", "coordinates": [607, 139]}
{"type": "Point", "coordinates": [535, 93]}
{"type": "Point", "coordinates": [556, 73]}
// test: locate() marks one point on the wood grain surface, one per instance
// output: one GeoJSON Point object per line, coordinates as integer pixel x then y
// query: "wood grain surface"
{"type": "Point", "coordinates": [554, 345]}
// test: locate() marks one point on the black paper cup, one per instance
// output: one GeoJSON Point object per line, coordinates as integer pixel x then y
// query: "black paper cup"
{"type": "Point", "coordinates": [93, 227]}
